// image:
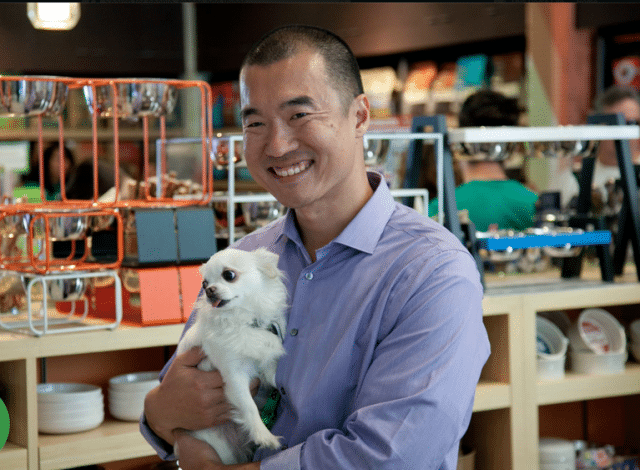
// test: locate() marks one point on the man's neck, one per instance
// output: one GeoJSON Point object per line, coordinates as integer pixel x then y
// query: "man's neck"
{"type": "Point", "coordinates": [320, 224]}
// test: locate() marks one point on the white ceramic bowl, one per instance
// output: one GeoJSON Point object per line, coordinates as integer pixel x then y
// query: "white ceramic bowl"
{"type": "Point", "coordinates": [598, 331]}
{"type": "Point", "coordinates": [135, 381]}
{"type": "Point", "coordinates": [69, 415]}
{"type": "Point", "coordinates": [65, 426]}
{"type": "Point", "coordinates": [67, 392]}
{"type": "Point", "coordinates": [126, 411]}
{"type": "Point", "coordinates": [556, 454]}
{"type": "Point", "coordinates": [588, 362]}
{"type": "Point", "coordinates": [80, 405]}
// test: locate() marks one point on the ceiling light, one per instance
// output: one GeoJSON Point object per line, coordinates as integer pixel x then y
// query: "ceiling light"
{"type": "Point", "coordinates": [53, 15]}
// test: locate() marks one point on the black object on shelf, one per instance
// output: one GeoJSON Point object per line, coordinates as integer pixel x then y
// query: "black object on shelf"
{"type": "Point", "coordinates": [629, 215]}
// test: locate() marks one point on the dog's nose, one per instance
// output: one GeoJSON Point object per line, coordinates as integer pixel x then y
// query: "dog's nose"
{"type": "Point", "coordinates": [210, 291]}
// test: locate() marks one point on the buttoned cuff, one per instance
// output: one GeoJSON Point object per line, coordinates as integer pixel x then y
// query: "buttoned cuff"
{"type": "Point", "coordinates": [162, 447]}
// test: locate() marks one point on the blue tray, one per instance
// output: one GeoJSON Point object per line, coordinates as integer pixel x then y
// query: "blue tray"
{"type": "Point", "coordinates": [597, 237]}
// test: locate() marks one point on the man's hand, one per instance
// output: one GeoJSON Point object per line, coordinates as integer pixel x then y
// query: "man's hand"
{"type": "Point", "coordinates": [198, 455]}
{"type": "Point", "coordinates": [187, 398]}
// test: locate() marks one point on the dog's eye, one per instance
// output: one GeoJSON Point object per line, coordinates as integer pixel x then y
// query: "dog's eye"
{"type": "Point", "coordinates": [204, 284]}
{"type": "Point", "coordinates": [229, 275]}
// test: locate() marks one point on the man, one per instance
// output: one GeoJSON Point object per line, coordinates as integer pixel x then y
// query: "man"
{"type": "Point", "coordinates": [385, 339]}
{"type": "Point", "coordinates": [616, 99]}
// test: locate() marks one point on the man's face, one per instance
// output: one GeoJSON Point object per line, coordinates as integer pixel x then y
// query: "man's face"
{"type": "Point", "coordinates": [298, 142]}
{"type": "Point", "coordinates": [630, 108]}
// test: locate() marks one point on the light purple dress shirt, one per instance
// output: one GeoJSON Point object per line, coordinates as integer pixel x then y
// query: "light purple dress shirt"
{"type": "Point", "coordinates": [384, 346]}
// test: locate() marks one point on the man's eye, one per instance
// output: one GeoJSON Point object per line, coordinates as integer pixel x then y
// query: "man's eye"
{"type": "Point", "coordinates": [298, 115]}
{"type": "Point", "coordinates": [229, 275]}
{"type": "Point", "coordinates": [253, 124]}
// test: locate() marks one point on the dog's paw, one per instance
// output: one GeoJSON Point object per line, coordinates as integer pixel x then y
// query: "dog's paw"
{"type": "Point", "coordinates": [266, 439]}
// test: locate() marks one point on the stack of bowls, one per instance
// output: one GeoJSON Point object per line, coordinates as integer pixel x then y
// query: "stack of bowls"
{"type": "Point", "coordinates": [557, 454]}
{"type": "Point", "coordinates": [552, 349]}
{"type": "Point", "coordinates": [127, 393]}
{"type": "Point", "coordinates": [634, 345]}
{"type": "Point", "coordinates": [69, 407]}
{"type": "Point", "coordinates": [598, 343]}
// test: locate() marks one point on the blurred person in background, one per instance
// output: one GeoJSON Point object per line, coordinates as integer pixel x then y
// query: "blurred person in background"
{"type": "Point", "coordinates": [483, 188]}
{"type": "Point", "coordinates": [616, 99]}
{"type": "Point", "coordinates": [51, 158]}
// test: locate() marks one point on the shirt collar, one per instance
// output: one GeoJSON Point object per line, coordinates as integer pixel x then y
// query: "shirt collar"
{"type": "Point", "coordinates": [366, 228]}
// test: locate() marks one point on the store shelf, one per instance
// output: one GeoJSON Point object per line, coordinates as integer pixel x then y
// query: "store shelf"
{"type": "Point", "coordinates": [113, 440]}
{"type": "Point", "coordinates": [542, 134]}
{"type": "Point", "coordinates": [13, 457]}
{"type": "Point", "coordinates": [16, 346]}
{"type": "Point", "coordinates": [51, 134]}
{"type": "Point", "coordinates": [578, 387]}
{"type": "Point", "coordinates": [492, 396]}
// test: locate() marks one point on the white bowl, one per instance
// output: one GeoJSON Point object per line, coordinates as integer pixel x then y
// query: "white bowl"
{"type": "Point", "coordinates": [634, 331]}
{"type": "Point", "coordinates": [67, 392]}
{"type": "Point", "coordinates": [556, 454]}
{"type": "Point", "coordinates": [69, 415]}
{"type": "Point", "coordinates": [126, 412]}
{"type": "Point", "coordinates": [598, 331]}
{"type": "Point", "coordinates": [551, 368]}
{"type": "Point", "coordinates": [65, 426]}
{"type": "Point", "coordinates": [119, 395]}
{"type": "Point", "coordinates": [550, 341]}
{"type": "Point", "coordinates": [71, 406]}
{"type": "Point", "coordinates": [135, 381]}
{"type": "Point", "coordinates": [588, 362]}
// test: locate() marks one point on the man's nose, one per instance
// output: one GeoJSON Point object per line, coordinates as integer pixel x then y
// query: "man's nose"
{"type": "Point", "coordinates": [280, 140]}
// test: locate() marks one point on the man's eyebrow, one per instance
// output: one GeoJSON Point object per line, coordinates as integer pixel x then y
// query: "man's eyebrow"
{"type": "Point", "coordinates": [303, 100]}
{"type": "Point", "coordinates": [248, 112]}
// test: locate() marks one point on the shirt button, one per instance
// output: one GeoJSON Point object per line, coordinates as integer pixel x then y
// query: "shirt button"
{"type": "Point", "coordinates": [282, 392]}
{"type": "Point", "coordinates": [309, 276]}
{"type": "Point", "coordinates": [294, 332]}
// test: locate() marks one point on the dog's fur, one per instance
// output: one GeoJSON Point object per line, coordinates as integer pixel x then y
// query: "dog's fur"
{"type": "Point", "coordinates": [232, 326]}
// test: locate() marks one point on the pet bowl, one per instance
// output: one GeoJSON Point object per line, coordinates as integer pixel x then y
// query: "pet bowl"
{"type": "Point", "coordinates": [68, 227]}
{"type": "Point", "coordinates": [588, 362]}
{"type": "Point", "coordinates": [566, 251]}
{"type": "Point", "coordinates": [67, 391]}
{"type": "Point", "coordinates": [137, 381]}
{"type": "Point", "coordinates": [597, 331]}
{"type": "Point", "coordinates": [551, 349]}
{"type": "Point", "coordinates": [58, 290]}
{"type": "Point", "coordinates": [65, 424]}
{"type": "Point", "coordinates": [102, 97]}
{"type": "Point", "coordinates": [19, 98]}
{"type": "Point", "coordinates": [556, 454]}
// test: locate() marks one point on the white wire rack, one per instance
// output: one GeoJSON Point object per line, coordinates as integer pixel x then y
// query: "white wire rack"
{"type": "Point", "coordinates": [39, 320]}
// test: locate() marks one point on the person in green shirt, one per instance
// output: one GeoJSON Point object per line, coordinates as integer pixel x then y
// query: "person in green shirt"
{"type": "Point", "coordinates": [484, 190]}
{"type": "Point", "coordinates": [52, 171]}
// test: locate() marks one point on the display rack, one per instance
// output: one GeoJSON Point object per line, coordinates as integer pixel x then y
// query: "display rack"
{"type": "Point", "coordinates": [600, 127]}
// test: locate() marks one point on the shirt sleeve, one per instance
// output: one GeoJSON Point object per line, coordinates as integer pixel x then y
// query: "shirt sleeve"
{"type": "Point", "coordinates": [415, 401]}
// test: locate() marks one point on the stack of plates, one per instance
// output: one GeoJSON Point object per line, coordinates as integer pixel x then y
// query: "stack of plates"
{"type": "Point", "coordinates": [69, 407]}
{"type": "Point", "coordinates": [127, 393]}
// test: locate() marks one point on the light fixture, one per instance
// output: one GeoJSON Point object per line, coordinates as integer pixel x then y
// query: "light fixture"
{"type": "Point", "coordinates": [54, 15]}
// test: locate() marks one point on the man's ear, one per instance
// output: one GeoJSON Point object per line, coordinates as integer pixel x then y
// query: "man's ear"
{"type": "Point", "coordinates": [363, 114]}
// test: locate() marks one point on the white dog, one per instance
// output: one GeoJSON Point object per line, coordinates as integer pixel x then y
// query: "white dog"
{"type": "Point", "coordinates": [239, 325]}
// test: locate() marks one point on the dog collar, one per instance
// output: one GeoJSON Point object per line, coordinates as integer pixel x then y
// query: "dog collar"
{"type": "Point", "coordinates": [273, 327]}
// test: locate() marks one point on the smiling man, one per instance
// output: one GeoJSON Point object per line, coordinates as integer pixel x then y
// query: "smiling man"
{"type": "Point", "coordinates": [386, 340]}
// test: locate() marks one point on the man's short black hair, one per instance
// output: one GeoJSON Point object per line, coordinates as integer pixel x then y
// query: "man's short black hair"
{"type": "Point", "coordinates": [489, 108]}
{"type": "Point", "coordinates": [342, 68]}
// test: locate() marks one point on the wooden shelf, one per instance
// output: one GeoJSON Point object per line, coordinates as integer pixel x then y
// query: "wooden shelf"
{"type": "Point", "coordinates": [18, 346]}
{"type": "Point", "coordinates": [492, 396]}
{"type": "Point", "coordinates": [13, 457]}
{"type": "Point", "coordinates": [112, 440]}
{"type": "Point", "coordinates": [578, 387]}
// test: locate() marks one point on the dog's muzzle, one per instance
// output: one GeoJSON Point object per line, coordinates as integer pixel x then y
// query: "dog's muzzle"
{"type": "Point", "coordinates": [214, 298]}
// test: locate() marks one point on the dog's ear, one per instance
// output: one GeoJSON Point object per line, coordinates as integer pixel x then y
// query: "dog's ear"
{"type": "Point", "coordinates": [267, 262]}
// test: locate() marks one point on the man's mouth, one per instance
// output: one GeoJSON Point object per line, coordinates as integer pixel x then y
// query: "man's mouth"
{"type": "Point", "coordinates": [291, 170]}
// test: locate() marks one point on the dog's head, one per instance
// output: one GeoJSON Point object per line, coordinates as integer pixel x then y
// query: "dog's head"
{"type": "Point", "coordinates": [236, 277]}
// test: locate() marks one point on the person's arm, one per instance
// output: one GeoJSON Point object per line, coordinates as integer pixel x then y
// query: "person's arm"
{"type": "Point", "coordinates": [198, 455]}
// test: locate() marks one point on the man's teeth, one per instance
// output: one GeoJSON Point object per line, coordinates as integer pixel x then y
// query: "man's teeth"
{"type": "Point", "coordinates": [292, 170]}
